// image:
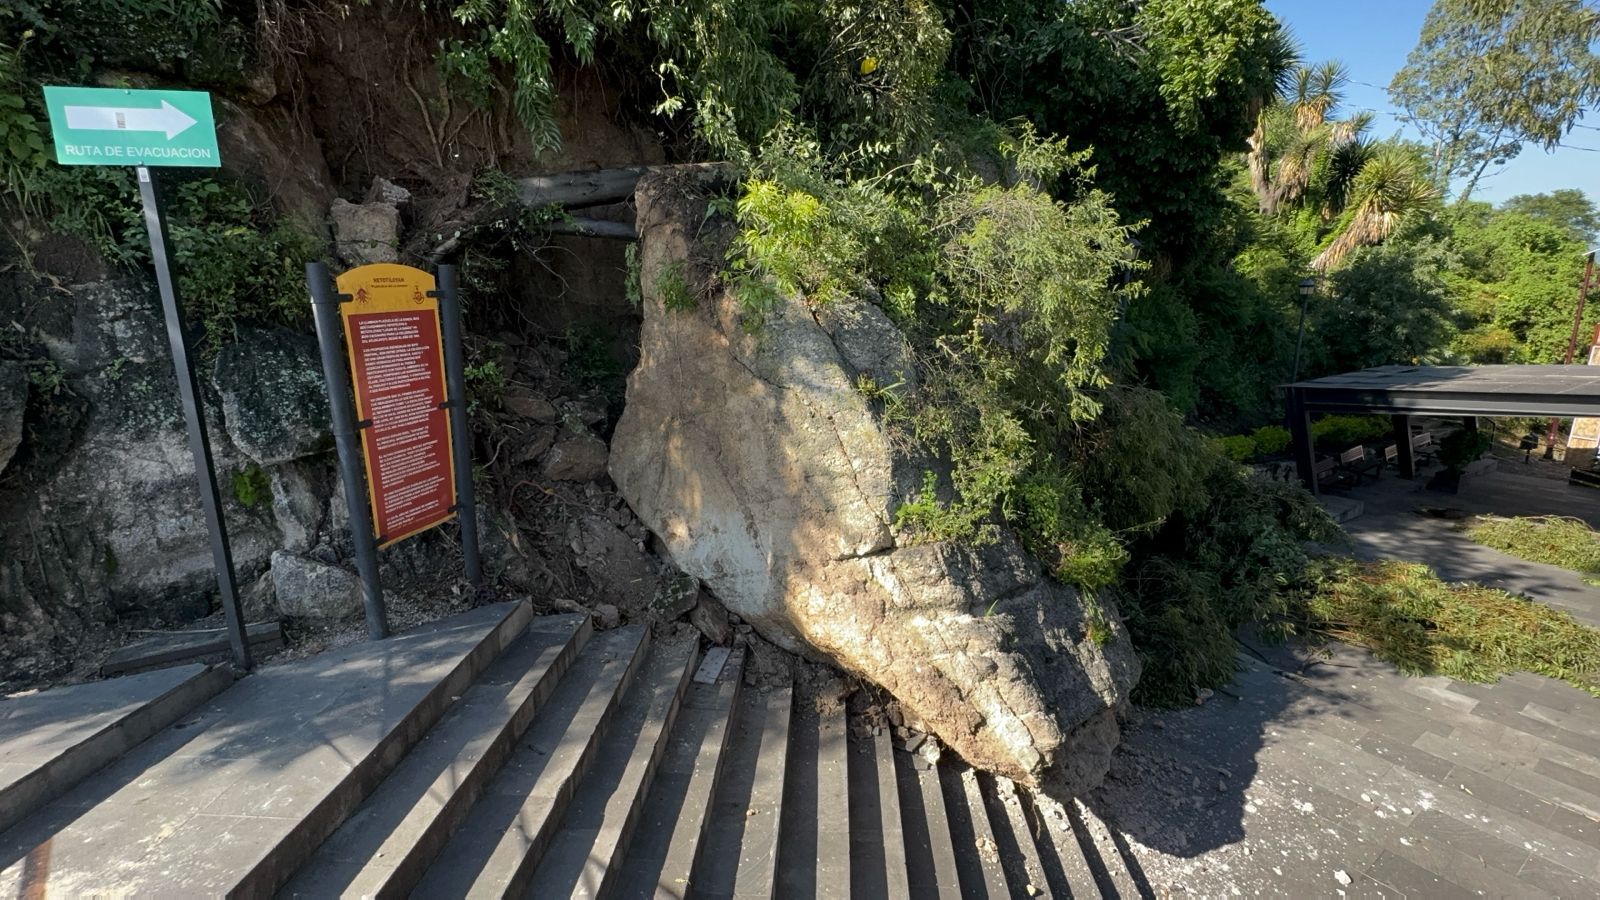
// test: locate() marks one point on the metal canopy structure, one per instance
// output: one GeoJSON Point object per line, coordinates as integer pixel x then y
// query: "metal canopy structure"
{"type": "Point", "coordinates": [1466, 391]}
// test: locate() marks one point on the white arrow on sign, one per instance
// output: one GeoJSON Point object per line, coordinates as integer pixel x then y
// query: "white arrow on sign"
{"type": "Point", "coordinates": [169, 119]}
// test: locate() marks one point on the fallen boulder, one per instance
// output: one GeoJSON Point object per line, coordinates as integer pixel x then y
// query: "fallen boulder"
{"type": "Point", "coordinates": [763, 469]}
{"type": "Point", "coordinates": [366, 232]}
{"type": "Point", "coordinates": [307, 589]}
{"type": "Point", "coordinates": [576, 456]}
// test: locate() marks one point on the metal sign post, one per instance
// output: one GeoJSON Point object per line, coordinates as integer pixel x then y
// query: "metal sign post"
{"type": "Point", "coordinates": [460, 433]}
{"type": "Point", "coordinates": [194, 419]}
{"type": "Point", "coordinates": [399, 412]}
{"type": "Point", "coordinates": [347, 441]}
{"type": "Point", "coordinates": [116, 127]}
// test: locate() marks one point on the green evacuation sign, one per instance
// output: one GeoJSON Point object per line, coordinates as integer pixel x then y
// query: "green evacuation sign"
{"type": "Point", "coordinates": [115, 127]}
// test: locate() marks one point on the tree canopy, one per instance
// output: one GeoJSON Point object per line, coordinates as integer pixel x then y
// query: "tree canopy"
{"type": "Point", "coordinates": [1489, 76]}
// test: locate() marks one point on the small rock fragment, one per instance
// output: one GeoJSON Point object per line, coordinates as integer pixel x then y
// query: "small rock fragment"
{"type": "Point", "coordinates": [606, 616]}
{"type": "Point", "coordinates": [1341, 876]}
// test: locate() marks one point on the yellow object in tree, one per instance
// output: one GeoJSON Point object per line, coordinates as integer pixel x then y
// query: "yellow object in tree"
{"type": "Point", "coordinates": [869, 65]}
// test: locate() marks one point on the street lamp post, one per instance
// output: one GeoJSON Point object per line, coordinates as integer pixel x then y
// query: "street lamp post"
{"type": "Point", "coordinates": [1308, 286]}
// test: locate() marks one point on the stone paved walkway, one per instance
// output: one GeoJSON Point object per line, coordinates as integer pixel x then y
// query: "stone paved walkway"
{"type": "Point", "coordinates": [1331, 774]}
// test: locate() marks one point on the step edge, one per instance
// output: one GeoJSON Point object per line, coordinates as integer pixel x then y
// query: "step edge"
{"type": "Point", "coordinates": [786, 695]}
{"type": "Point", "coordinates": [539, 842]}
{"type": "Point", "coordinates": [890, 817]}
{"type": "Point", "coordinates": [279, 863]}
{"type": "Point", "coordinates": [947, 873]}
{"type": "Point", "coordinates": [34, 791]}
{"type": "Point", "coordinates": [630, 820]}
{"type": "Point", "coordinates": [696, 838]}
{"type": "Point", "coordinates": [399, 878]}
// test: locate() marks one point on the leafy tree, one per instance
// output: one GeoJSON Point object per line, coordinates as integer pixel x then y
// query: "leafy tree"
{"type": "Point", "coordinates": [1160, 90]}
{"type": "Point", "coordinates": [1516, 285]}
{"type": "Point", "coordinates": [1566, 207]}
{"type": "Point", "coordinates": [1386, 304]}
{"type": "Point", "coordinates": [1489, 76]}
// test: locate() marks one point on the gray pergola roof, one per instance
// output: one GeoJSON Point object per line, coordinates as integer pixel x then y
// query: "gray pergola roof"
{"type": "Point", "coordinates": [1456, 391]}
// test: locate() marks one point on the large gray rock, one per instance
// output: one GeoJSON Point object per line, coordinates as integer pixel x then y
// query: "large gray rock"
{"type": "Point", "coordinates": [308, 589]}
{"type": "Point", "coordinates": [366, 232]}
{"type": "Point", "coordinates": [761, 466]}
{"type": "Point", "coordinates": [274, 403]}
{"type": "Point", "coordinates": [13, 403]}
{"type": "Point", "coordinates": [112, 529]}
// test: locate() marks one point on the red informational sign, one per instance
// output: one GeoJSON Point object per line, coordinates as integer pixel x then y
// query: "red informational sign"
{"type": "Point", "coordinates": [391, 327]}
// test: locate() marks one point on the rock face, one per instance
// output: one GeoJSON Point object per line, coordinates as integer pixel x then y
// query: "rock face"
{"type": "Point", "coordinates": [273, 400]}
{"type": "Point", "coordinates": [767, 475]}
{"type": "Point", "coordinates": [13, 403]}
{"type": "Point", "coordinates": [108, 522]}
{"type": "Point", "coordinates": [576, 456]}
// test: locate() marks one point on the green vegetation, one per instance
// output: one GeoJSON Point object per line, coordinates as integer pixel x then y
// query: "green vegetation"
{"type": "Point", "coordinates": [674, 288]}
{"type": "Point", "coordinates": [1460, 447]}
{"type": "Point", "coordinates": [252, 487]}
{"type": "Point", "coordinates": [1407, 616]}
{"type": "Point", "coordinates": [1556, 540]}
{"type": "Point", "coordinates": [1090, 220]}
{"type": "Point", "coordinates": [486, 380]}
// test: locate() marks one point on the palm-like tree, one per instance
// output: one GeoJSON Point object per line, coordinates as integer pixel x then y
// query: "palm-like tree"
{"type": "Point", "coordinates": [1391, 183]}
{"type": "Point", "coordinates": [1303, 158]}
{"type": "Point", "coordinates": [1293, 133]}
{"type": "Point", "coordinates": [1316, 91]}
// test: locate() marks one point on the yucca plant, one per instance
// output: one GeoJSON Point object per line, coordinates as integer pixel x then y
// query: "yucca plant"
{"type": "Point", "coordinates": [1392, 183]}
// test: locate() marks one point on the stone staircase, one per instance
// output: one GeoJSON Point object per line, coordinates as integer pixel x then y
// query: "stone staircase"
{"type": "Point", "coordinates": [501, 754]}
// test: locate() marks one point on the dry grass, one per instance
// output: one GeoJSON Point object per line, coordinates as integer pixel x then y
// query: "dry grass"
{"type": "Point", "coordinates": [1556, 540]}
{"type": "Point", "coordinates": [1406, 615]}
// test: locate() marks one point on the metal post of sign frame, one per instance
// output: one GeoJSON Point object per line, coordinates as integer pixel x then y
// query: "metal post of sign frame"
{"type": "Point", "coordinates": [461, 437]}
{"type": "Point", "coordinates": [346, 438]}
{"type": "Point", "coordinates": [194, 419]}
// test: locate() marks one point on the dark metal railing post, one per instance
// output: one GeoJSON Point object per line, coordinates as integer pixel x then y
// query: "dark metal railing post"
{"type": "Point", "coordinates": [460, 434]}
{"type": "Point", "coordinates": [195, 422]}
{"type": "Point", "coordinates": [1305, 454]}
{"type": "Point", "coordinates": [347, 440]}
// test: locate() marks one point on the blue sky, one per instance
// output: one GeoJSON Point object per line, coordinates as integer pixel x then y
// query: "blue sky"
{"type": "Point", "coordinates": [1372, 38]}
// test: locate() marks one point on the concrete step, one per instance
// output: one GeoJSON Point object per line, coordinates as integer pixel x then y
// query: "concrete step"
{"type": "Point", "coordinates": [977, 859]}
{"type": "Point", "coordinates": [500, 844]}
{"type": "Point", "coordinates": [1019, 853]}
{"type": "Point", "coordinates": [877, 846]}
{"type": "Point", "coordinates": [814, 846]}
{"type": "Point", "coordinates": [290, 750]}
{"type": "Point", "coordinates": [740, 847]}
{"type": "Point", "coordinates": [930, 842]}
{"type": "Point", "coordinates": [50, 740]}
{"type": "Point", "coordinates": [1066, 869]}
{"type": "Point", "coordinates": [585, 859]}
{"type": "Point", "coordinates": [673, 822]}
{"type": "Point", "coordinates": [384, 847]}
{"type": "Point", "coordinates": [208, 646]}
{"type": "Point", "coordinates": [1099, 843]}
